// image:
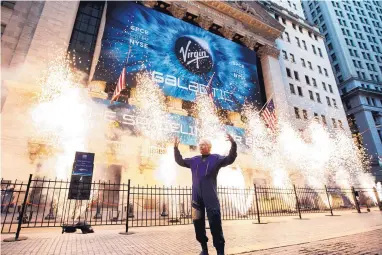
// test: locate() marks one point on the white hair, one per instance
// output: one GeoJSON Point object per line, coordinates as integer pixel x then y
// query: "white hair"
{"type": "Point", "coordinates": [205, 141]}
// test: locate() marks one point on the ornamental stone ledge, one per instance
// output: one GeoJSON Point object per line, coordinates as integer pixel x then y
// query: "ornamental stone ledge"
{"type": "Point", "coordinates": [149, 4]}
{"type": "Point", "coordinates": [249, 41]}
{"type": "Point", "coordinates": [177, 10]}
{"type": "Point", "coordinates": [204, 21]}
{"type": "Point", "coordinates": [228, 32]}
{"type": "Point", "coordinates": [267, 50]}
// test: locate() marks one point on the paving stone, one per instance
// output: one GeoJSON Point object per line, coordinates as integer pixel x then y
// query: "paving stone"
{"type": "Point", "coordinates": [349, 234]}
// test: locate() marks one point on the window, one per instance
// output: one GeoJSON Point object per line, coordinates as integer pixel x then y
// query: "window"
{"type": "Point", "coordinates": [340, 124]}
{"type": "Point", "coordinates": [9, 4]}
{"type": "Point", "coordinates": [305, 114]}
{"type": "Point", "coordinates": [333, 56]}
{"type": "Point", "coordinates": [2, 28]}
{"type": "Point", "coordinates": [330, 88]}
{"type": "Point", "coordinates": [311, 95]}
{"type": "Point", "coordinates": [84, 34]}
{"type": "Point", "coordinates": [303, 62]}
{"type": "Point", "coordinates": [287, 36]}
{"type": "Point", "coordinates": [292, 58]}
{"type": "Point", "coordinates": [334, 103]}
{"type": "Point", "coordinates": [304, 44]}
{"type": "Point", "coordinates": [285, 55]}
{"type": "Point", "coordinates": [289, 74]}
{"type": "Point", "coordinates": [324, 85]}
{"type": "Point", "coordinates": [310, 65]}
{"type": "Point", "coordinates": [316, 117]}
{"type": "Point", "coordinates": [326, 72]}
{"type": "Point", "coordinates": [294, 26]}
{"type": "Point", "coordinates": [334, 123]}
{"type": "Point", "coordinates": [297, 113]}
{"type": "Point", "coordinates": [296, 75]}
{"type": "Point", "coordinates": [319, 69]}
{"type": "Point", "coordinates": [323, 119]}
{"type": "Point", "coordinates": [348, 104]}
{"type": "Point", "coordinates": [373, 101]}
{"type": "Point", "coordinates": [328, 101]}
{"type": "Point", "coordinates": [337, 68]}
{"type": "Point", "coordinates": [318, 98]}
{"type": "Point", "coordinates": [307, 80]}
{"type": "Point", "coordinates": [300, 29]}
{"type": "Point", "coordinates": [291, 87]}
{"type": "Point", "coordinates": [299, 91]}
{"type": "Point", "coordinates": [330, 46]}
{"type": "Point", "coordinates": [368, 100]}
{"type": "Point", "coordinates": [314, 82]}
{"type": "Point", "coordinates": [315, 37]}
{"type": "Point", "coordinates": [314, 50]}
{"type": "Point", "coordinates": [284, 21]}
{"type": "Point", "coordinates": [298, 42]}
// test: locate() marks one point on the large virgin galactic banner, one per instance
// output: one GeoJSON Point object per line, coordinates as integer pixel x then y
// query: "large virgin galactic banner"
{"type": "Point", "coordinates": [180, 57]}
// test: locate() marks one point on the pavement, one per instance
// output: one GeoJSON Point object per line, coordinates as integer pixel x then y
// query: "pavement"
{"type": "Point", "coordinates": [366, 243]}
{"type": "Point", "coordinates": [347, 233]}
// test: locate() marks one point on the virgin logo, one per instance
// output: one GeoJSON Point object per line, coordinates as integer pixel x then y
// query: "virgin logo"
{"type": "Point", "coordinates": [192, 55]}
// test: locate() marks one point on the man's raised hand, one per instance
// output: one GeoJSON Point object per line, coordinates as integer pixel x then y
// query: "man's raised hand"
{"type": "Point", "coordinates": [229, 138]}
{"type": "Point", "coordinates": [176, 142]}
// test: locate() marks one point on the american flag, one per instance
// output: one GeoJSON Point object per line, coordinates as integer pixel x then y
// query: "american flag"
{"type": "Point", "coordinates": [120, 85]}
{"type": "Point", "coordinates": [269, 115]}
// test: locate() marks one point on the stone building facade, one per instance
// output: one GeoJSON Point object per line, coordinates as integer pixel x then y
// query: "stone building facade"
{"type": "Point", "coordinates": [36, 30]}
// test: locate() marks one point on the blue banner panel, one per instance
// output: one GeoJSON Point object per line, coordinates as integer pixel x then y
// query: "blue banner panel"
{"type": "Point", "coordinates": [180, 57]}
{"type": "Point", "coordinates": [182, 126]}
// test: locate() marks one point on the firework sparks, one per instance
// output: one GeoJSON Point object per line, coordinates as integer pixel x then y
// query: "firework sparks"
{"type": "Point", "coordinates": [317, 156]}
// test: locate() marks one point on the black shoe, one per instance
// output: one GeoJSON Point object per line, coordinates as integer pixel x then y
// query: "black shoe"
{"type": "Point", "coordinates": [204, 252]}
{"type": "Point", "coordinates": [220, 252]}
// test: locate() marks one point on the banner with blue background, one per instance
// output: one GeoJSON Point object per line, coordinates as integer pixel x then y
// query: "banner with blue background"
{"type": "Point", "coordinates": [184, 127]}
{"type": "Point", "coordinates": [180, 57]}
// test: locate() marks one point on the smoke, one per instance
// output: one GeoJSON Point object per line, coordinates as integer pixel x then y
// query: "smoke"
{"type": "Point", "coordinates": [65, 119]}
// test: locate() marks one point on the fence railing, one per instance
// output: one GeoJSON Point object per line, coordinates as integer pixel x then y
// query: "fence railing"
{"type": "Point", "coordinates": [45, 203]}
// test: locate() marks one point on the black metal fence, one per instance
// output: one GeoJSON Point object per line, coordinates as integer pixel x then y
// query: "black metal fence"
{"type": "Point", "coordinates": [45, 203]}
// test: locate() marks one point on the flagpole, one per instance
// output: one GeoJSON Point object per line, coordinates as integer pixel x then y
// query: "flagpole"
{"type": "Point", "coordinates": [124, 66]}
{"type": "Point", "coordinates": [266, 102]}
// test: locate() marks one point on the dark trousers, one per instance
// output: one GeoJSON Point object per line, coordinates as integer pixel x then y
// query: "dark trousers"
{"type": "Point", "coordinates": [214, 219]}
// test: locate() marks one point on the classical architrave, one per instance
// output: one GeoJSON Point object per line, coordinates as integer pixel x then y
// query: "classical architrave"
{"type": "Point", "coordinates": [267, 50]}
{"type": "Point", "coordinates": [249, 41]}
{"type": "Point", "coordinates": [178, 10]}
{"type": "Point", "coordinates": [204, 21]}
{"type": "Point", "coordinates": [228, 32]}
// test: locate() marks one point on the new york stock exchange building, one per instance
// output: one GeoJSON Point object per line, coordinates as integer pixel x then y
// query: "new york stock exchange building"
{"type": "Point", "coordinates": [184, 45]}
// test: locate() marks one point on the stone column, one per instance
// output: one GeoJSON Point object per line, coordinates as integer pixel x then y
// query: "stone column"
{"type": "Point", "coordinates": [53, 32]}
{"type": "Point", "coordinates": [235, 118]}
{"type": "Point", "coordinates": [174, 105]}
{"type": "Point", "coordinates": [97, 89]}
{"type": "Point", "coordinates": [133, 97]}
{"type": "Point", "coordinates": [273, 81]}
{"type": "Point", "coordinates": [20, 31]}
